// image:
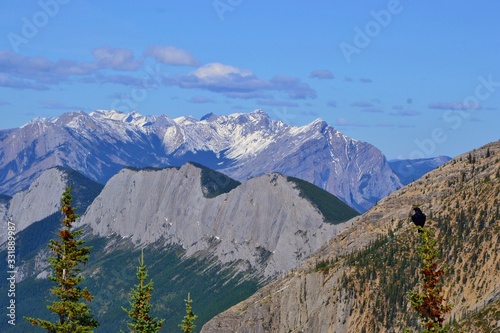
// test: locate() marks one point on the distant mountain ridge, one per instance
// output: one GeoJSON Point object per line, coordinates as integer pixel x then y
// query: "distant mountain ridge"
{"type": "Point", "coordinates": [241, 145]}
{"type": "Point", "coordinates": [42, 198]}
{"type": "Point", "coordinates": [411, 170]}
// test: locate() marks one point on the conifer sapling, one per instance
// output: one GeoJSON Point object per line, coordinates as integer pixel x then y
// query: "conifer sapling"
{"type": "Point", "coordinates": [187, 324]}
{"type": "Point", "coordinates": [140, 304]}
{"type": "Point", "coordinates": [429, 303]}
{"type": "Point", "coordinates": [74, 315]}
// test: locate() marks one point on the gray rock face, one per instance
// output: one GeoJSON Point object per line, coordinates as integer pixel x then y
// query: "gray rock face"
{"type": "Point", "coordinates": [40, 200]}
{"type": "Point", "coordinates": [4, 208]}
{"type": "Point", "coordinates": [354, 171]}
{"type": "Point", "coordinates": [99, 144]}
{"type": "Point", "coordinates": [286, 306]}
{"type": "Point", "coordinates": [263, 224]}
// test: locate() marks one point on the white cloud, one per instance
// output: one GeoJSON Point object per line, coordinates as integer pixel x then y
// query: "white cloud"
{"type": "Point", "coordinates": [172, 55]}
{"type": "Point", "coordinates": [454, 106]}
{"type": "Point", "coordinates": [215, 71]}
{"type": "Point", "coordinates": [234, 82]}
{"type": "Point", "coordinates": [346, 122]}
{"type": "Point", "coordinates": [332, 104]}
{"type": "Point", "coordinates": [272, 102]}
{"type": "Point", "coordinates": [322, 74]}
{"type": "Point", "coordinates": [115, 58]}
{"type": "Point", "coordinates": [200, 100]}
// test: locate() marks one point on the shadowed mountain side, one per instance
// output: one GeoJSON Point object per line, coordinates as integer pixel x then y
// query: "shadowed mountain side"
{"type": "Point", "coordinates": [411, 170]}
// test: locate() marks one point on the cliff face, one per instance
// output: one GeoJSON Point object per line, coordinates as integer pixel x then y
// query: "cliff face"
{"type": "Point", "coordinates": [43, 197]}
{"type": "Point", "coordinates": [40, 200]}
{"type": "Point", "coordinates": [263, 224]}
{"type": "Point", "coordinates": [358, 281]}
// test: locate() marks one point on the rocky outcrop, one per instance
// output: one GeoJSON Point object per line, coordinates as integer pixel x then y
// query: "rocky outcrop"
{"type": "Point", "coordinates": [40, 200]}
{"type": "Point", "coordinates": [43, 198]}
{"type": "Point", "coordinates": [263, 224]}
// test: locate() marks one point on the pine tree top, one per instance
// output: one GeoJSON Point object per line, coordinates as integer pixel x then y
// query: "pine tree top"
{"type": "Point", "coordinates": [74, 315]}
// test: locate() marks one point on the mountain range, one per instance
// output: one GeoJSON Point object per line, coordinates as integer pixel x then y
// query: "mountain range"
{"type": "Point", "coordinates": [239, 235]}
{"type": "Point", "coordinates": [241, 146]}
{"type": "Point", "coordinates": [411, 170]}
{"type": "Point", "coordinates": [296, 257]}
{"type": "Point", "coordinates": [264, 224]}
{"type": "Point", "coordinates": [164, 186]}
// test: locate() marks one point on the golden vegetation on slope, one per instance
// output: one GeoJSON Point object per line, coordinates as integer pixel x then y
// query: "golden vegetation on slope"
{"type": "Point", "coordinates": [359, 281]}
{"type": "Point", "coordinates": [462, 203]}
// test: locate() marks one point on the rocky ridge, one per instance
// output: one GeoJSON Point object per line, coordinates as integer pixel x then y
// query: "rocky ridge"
{"type": "Point", "coordinates": [42, 199]}
{"type": "Point", "coordinates": [263, 224]}
{"type": "Point", "coordinates": [369, 266]}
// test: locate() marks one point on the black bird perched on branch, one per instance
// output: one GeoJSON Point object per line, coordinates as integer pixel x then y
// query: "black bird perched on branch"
{"type": "Point", "coordinates": [418, 218]}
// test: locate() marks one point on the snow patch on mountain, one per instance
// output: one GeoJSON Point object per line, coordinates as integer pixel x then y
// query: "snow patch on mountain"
{"type": "Point", "coordinates": [241, 145]}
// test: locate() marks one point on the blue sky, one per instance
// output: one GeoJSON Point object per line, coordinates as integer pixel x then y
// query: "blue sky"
{"type": "Point", "coordinates": [414, 78]}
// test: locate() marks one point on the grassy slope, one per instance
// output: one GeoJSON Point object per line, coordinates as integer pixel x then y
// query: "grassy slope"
{"type": "Point", "coordinates": [467, 226]}
{"type": "Point", "coordinates": [333, 209]}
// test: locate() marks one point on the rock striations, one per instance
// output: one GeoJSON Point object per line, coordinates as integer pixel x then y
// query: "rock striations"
{"type": "Point", "coordinates": [359, 280]}
{"type": "Point", "coordinates": [263, 225]}
{"type": "Point", "coordinates": [241, 145]}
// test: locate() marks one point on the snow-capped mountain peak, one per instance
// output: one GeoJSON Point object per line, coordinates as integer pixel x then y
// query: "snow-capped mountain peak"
{"type": "Point", "coordinates": [242, 145]}
{"type": "Point", "coordinates": [133, 117]}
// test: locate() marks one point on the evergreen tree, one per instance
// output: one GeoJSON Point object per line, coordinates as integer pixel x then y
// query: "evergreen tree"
{"type": "Point", "coordinates": [140, 304]}
{"type": "Point", "coordinates": [74, 316]}
{"type": "Point", "coordinates": [429, 303]}
{"type": "Point", "coordinates": [187, 324]}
